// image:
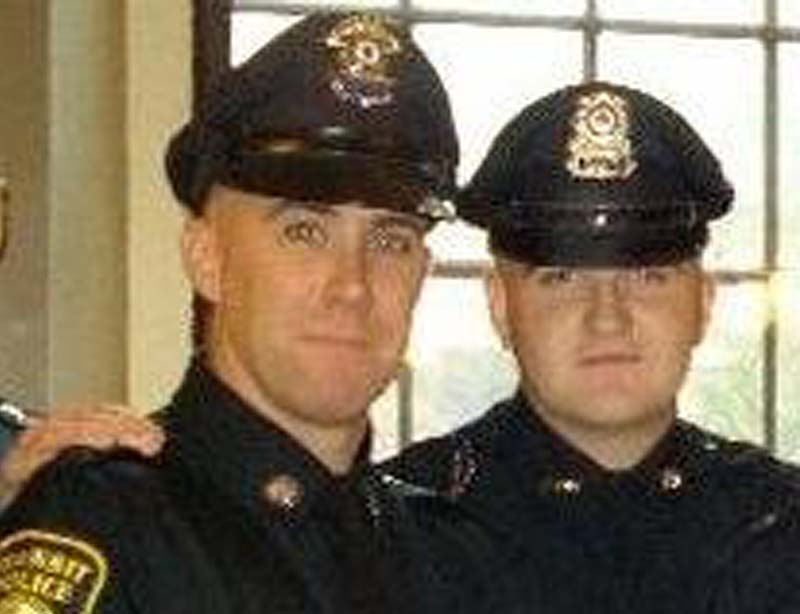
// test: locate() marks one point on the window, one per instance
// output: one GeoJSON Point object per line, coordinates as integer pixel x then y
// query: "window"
{"type": "Point", "coordinates": [728, 67]}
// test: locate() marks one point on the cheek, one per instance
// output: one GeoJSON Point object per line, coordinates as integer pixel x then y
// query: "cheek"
{"type": "Point", "coordinates": [394, 296]}
{"type": "Point", "coordinates": [538, 334]}
{"type": "Point", "coordinates": [258, 288]}
{"type": "Point", "coordinates": [678, 326]}
{"type": "Point", "coordinates": [671, 339]}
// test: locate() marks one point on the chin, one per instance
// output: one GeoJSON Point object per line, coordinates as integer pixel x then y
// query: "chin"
{"type": "Point", "coordinates": [622, 413]}
{"type": "Point", "coordinates": [342, 402]}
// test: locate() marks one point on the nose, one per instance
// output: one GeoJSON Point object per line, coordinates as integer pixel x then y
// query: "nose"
{"type": "Point", "coordinates": [608, 310]}
{"type": "Point", "coordinates": [349, 280]}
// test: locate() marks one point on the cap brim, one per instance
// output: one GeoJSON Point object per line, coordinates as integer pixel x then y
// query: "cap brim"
{"type": "Point", "coordinates": [630, 249]}
{"type": "Point", "coordinates": [334, 177]}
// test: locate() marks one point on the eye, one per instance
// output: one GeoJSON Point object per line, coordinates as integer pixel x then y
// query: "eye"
{"type": "Point", "coordinates": [305, 232]}
{"type": "Point", "coordinates": [556, 276]}
{"type": "Point", "coordinates": [652, 275]}
{"type": "Point", "coordinates": [393, 240]}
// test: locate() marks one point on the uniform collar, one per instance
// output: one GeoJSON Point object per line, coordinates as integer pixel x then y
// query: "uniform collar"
{"type": "Point", "coordinates": [217, 436]}
{"type": "Point", "coordinates": [554, 468]}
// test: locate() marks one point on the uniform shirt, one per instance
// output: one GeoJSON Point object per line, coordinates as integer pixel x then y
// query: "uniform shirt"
{"type": "Point", "coordinates": [699, 526]}
{"type": "Point", "coordinates": [232, 517]}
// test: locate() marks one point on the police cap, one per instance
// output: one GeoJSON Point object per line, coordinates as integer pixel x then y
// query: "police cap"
{"type": "Point", "coordinates": [597, 174]}
{"type": "Point", "coordinates": [342, 106]}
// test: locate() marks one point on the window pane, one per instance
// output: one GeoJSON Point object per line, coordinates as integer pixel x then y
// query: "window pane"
{"type": "Point", "coordinates": [458, 366]}
{"type": "Point", "coordinates": [517, 7]}
{"type": "Point", "coordinates": [249, 31]}
{"type": "Point", "coordinates": [728, 11]}
{"type": "Point", "coordinates": [724, 389]}
{"type": "Point", "coordinates": [717, 86]}
{"type": "Point", "coordinates": [787, 294]}
{"type": "Point", "coordinates": [789, 129]}
{"type": "Point", "coordinates": [481, 69]}
{"type": "Point", "coordinates": [789, 12]}
{"type": "Point", "coordinates": [266, 4]}
{"type": "Point", "coordinates": [458, 241]}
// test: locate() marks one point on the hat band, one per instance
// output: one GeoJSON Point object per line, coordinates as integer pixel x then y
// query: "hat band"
{"type": "Point", "coordinates": [599, 217]}
{"type": "Point", "coordinates": [629, 248]}
{"type": "Point", "coordinates": [339, 177]}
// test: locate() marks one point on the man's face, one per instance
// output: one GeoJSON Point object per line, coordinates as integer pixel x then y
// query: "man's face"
{"type": "Point", "coordinates": [311, 304]}
{"type": "Point", "coordinates": [601, 348]}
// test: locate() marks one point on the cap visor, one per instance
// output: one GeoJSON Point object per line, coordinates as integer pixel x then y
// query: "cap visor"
{"type": "Point", "coordinates": [333, 177]}
{"type": "Point", "coordinates": [599, 249]}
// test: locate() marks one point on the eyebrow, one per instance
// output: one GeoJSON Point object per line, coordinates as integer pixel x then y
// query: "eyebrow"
{"type": "Point", "coordinates": [417, 225]}
{"type": "Point", "coordinates": [287, 205]}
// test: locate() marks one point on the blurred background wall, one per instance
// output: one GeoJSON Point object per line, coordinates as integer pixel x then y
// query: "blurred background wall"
{"type": "Point", "coordinates": [90, 279]}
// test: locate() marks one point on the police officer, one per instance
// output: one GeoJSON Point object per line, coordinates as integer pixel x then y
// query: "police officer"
{"type": "Point", "coordinates": [597, 200]}
{"type": "Point", "coordinates": [310, 176]}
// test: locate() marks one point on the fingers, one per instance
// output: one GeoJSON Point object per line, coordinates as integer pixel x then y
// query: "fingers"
{"type": "Point", "coordinates": [101, 427]}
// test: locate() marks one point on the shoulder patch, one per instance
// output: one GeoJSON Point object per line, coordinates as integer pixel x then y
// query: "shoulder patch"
{"type": "Point", "coordinates": [48, 573]}
{"type": "Point", "coordinates": [464, 469]}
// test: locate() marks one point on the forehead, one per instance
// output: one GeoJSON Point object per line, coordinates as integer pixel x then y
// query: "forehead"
{"type": "Point", "coordinates": [616, 269]}
{"type": "Point", "coordinates": [519, 268]}
{"type": "Point", "coordinates": [504, 259]}
{"type": "Point", "coordinates": [229, 202]}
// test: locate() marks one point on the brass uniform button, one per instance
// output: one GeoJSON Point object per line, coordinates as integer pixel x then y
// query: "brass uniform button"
{"type": "Point", "coordinates": [283, 491]}
{"type": "Point", "coordinates": [567, 487]}
{"type": "Point", "coordinates": [671, 480]}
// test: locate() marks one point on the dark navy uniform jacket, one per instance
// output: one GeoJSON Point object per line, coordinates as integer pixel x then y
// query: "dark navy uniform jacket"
{"type": "Point", "coordinates": [233, 517]}
{"type": "Point", "coordinates": [700, 526]}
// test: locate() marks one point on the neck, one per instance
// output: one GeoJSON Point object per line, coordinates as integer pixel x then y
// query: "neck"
{"type": "Point", "coordinates": [336, 448]}
{"type": "Point", "coordinates": [613, 446]}
{"type": "Point", "coordinates": [334, 445]}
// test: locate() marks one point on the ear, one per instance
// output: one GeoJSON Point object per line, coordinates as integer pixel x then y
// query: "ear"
{"type": "Point", "coordinates": [498, 303]}
{"type": "Point", "coordinates": [201, 257]}
{"type": "Point", "coordinates": [424, 271]}
{"type": "Point", "coordinates": [708, 292]}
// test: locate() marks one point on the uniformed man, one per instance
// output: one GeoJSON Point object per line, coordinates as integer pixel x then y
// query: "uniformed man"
{"type": "Point", "coordinates": [310, 175]}
{"type": "Point", "coordinates": [597, 201]}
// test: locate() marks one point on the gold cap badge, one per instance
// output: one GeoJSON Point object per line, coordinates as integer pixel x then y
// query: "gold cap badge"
{"type": "Point", "coordinates": [600, 147]}
{"type": "Point", "coordinates": [364, 50]}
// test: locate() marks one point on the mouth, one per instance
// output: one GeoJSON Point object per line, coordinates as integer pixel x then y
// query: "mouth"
{"type": "Point", "coordinates": [333, 340]}
{"type": "Point", "coordinates": [609, 359]}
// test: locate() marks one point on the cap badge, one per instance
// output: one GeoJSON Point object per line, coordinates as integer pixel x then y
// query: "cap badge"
{"type": "Point", "coordinates": [600, 147]}
{"type": "Point", "coordinates": [364, 50]}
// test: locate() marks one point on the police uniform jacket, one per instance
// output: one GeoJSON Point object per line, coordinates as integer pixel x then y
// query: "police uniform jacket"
{"type": "Point", "coordinates": [233, 517]}
{"type": "Point", "coordinates": [700, 525]}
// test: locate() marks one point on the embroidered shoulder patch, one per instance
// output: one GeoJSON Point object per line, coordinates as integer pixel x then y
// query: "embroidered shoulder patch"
{"type": "Point", "coordinates": [47, 573]}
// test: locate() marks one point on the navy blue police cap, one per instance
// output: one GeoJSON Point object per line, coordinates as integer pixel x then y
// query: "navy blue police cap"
{"type": "Point", "coordinates": [340, 107]}
{"type": "Point", "coordinates": [597, 174]}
